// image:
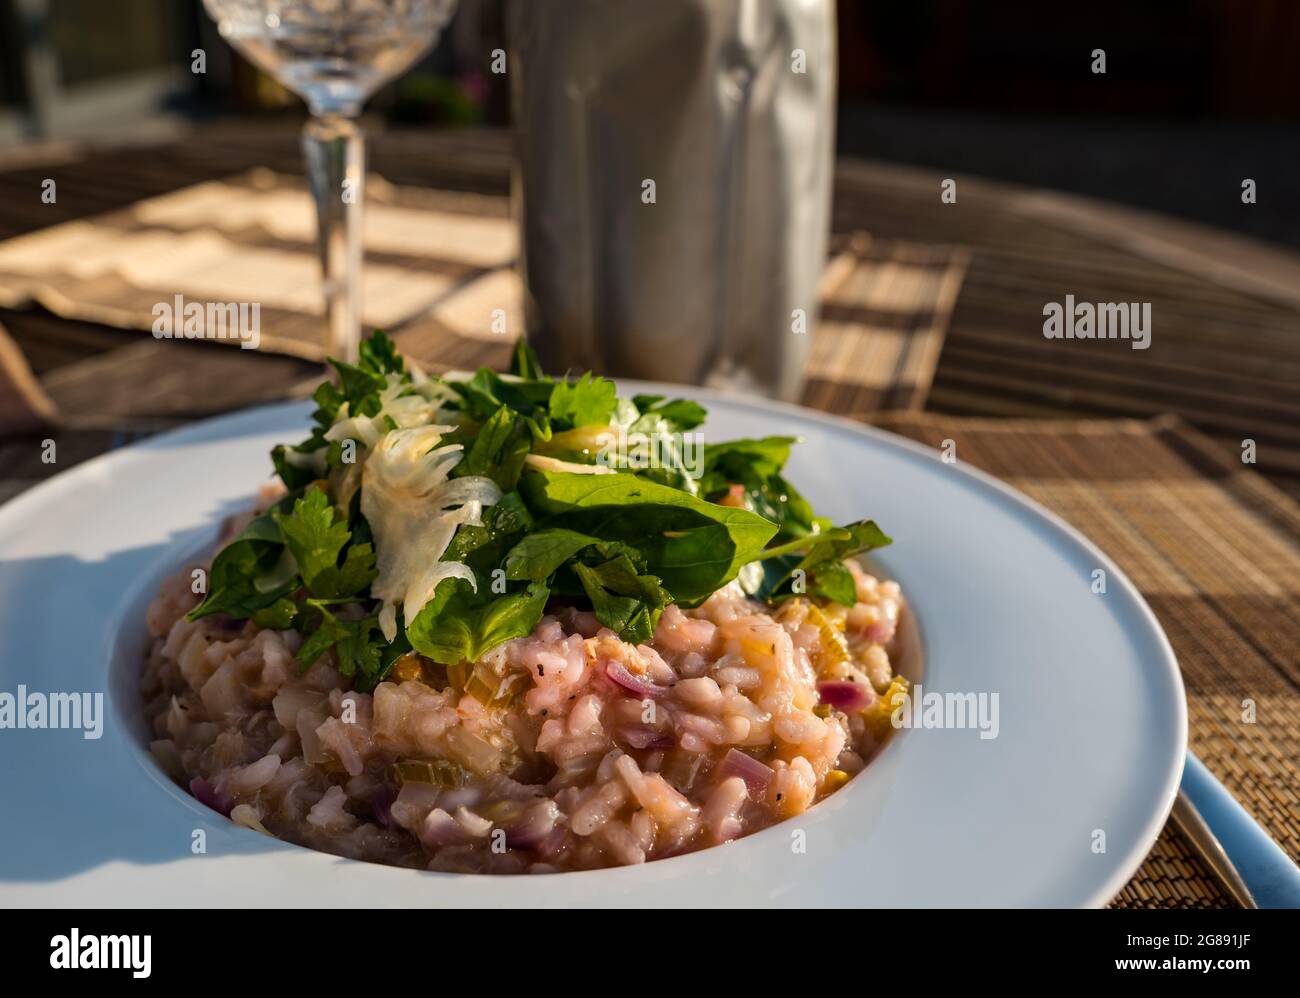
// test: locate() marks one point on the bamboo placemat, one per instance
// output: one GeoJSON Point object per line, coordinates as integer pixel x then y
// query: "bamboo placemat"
{"type": "Point", "coordinates": [1215, 549]}
{"type": "Point", "coordinates": [252, 238]}
{"type": "Point", "coordinates": [884, 311]}
{"type": "Point", "coordinates": [439, 275]}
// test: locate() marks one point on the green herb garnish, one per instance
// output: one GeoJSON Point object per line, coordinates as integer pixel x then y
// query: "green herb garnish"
{"type": "Point", "coordinates": [624, 542]}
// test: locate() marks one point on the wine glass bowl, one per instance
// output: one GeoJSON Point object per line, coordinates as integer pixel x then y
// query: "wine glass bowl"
{"type": "Point", "coordinates": [332, 53]}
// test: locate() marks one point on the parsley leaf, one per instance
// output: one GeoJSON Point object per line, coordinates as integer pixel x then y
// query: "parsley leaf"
{"type": "Point", "coordinates": [316, 536]}
{"type": "Point", "coordinates": [361, 384]}
{"type": "Point", "coordinates": [355, 574]}
{"type": "Point", "coordinates": [378, 353]}
{"type": "Point", "coordinates": [279, 616]}
{"type": "Point", "coordinates": [485, 392]}
{"type": "Point", "coordinates": [358, 646]}
{"type": "Point", "coordinates": [589, 401]}
{"type": "Point", "coordinates": [312, 534]}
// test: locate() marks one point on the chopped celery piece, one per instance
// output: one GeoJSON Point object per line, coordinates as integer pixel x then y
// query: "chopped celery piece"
{"type": "Point", "coordinates": [437, 772]}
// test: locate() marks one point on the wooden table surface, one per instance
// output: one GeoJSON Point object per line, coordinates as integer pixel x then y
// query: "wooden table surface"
{"type": "Point", "coordinates": [1225, 351]}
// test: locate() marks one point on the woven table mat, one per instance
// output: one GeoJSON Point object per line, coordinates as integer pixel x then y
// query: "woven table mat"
{"type": "Point", "coordinates": [885, 308]}
{"type": "Point", "coordinates": [1215, 549]}
{"type": "Point", "coordinates": [439, 275]}
{"type": "Point", "coordinates": [252, 238]}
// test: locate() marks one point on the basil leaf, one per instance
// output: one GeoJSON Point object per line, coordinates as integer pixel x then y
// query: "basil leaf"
{"type": "Point", "coordinates": [483, 547]}
{"type": "Point", "coordinates": [460, 625]}
{"type": "Point", "coordinates": [498, 450]}
{"type": "Point", "coordinates": [235, 580]}
{"type": "Point", "coordinates": [756, 466]}
{"type": "Point", "coordinates": [764, 457]}
{"type": "Point", "coordinates": [623, 600]}
{"type": "Point", "coordinates": [539, 555]}
{"type": "Point", "coordinates": [822, 562]}
{"type": "Point", "coordinates": [681, 414]}
{"type": "Point", "coordinates": [694, 547]}
{"type": "Point", "coordinates": [834, 582]}
{"type": "Point", "coordinates": [843, 542]}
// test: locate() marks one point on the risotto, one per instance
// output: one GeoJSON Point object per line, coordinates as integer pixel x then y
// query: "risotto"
{"type": "Point", "coordinates": [572, 699]}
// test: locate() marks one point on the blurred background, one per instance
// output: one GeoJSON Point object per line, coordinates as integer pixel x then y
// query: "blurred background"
{"type": "Point", "coordinates": [1197, 93]}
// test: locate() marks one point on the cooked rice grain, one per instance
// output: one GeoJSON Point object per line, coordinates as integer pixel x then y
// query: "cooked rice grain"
{"type": "Point", "coordinates": [578, 772]}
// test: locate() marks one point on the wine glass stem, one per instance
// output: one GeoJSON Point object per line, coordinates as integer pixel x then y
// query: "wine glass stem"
{"type": "Point", "coordinates": [336, 165]}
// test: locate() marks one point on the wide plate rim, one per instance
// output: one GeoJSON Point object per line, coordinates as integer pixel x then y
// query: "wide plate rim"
{"type": "Point", "coordinates": [244, 422]}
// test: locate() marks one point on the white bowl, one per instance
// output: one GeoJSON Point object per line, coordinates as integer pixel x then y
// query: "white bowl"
{"type": "Point", "coordinates": [1058, 809]}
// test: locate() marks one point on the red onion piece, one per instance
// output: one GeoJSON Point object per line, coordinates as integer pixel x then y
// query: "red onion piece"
{"type": "Point", "coordinates": [223, 623]}
{"type": "Point", "coordinates": [381, 806]}
{"type": "Point", "coordinates": [845, 695]}
{"type": "Point", "coordinates": [205, 793]}
{"type": "Point", "coordinates": [880, 632]}
{"type": "Point", "coordinates": [550, 846]}
{"type": "Point", "coordinates": [644, 738]}
{"type": "Point", "coordinates": [756, 775]}
{"type": "Point", "coordinates": [534, 826]}
{"type": "Point", "coordinates": [642, 687]}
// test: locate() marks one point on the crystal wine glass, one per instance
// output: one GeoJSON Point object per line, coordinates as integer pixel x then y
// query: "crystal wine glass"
{"type": "Point", "coordinates": [334, 54]}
